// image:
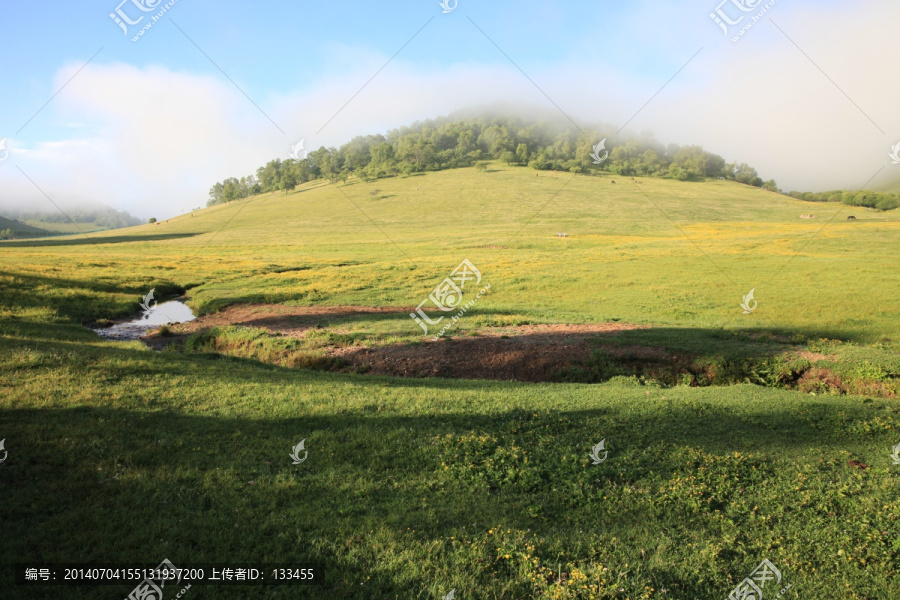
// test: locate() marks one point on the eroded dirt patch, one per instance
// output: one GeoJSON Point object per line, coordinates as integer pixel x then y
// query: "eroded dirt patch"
{"type": "Point", "coordinates": [523, 353]}
{"type": "Point", "coordinates": [287, 320]}
{"type": "Point", "coordinates": [384, 341]}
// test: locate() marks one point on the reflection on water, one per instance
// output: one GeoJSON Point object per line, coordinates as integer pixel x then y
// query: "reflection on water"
{"type": "Point", "coordinates": [162, 314]}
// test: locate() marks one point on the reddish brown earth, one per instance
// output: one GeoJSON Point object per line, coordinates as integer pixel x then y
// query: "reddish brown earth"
{"type": "Point", "coordinates": [287, 320]}
{"type": "Point", "coordinates": [523, 353]}
{"type": "Point", "coordinates": [533, 353]}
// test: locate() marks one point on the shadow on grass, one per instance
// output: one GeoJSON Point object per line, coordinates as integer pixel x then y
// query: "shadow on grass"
{"type": "Point", "coordinates": [116, 485]}
{"type": "Point", "coordinates": [194, 466]}
{"type": "Point", "coordinates": [90, 241]}
{"type": "Point", "coordinates": [81, 300]}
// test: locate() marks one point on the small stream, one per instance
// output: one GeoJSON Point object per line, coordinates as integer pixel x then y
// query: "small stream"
{"type": "Point", "coordinates": [166, 313]}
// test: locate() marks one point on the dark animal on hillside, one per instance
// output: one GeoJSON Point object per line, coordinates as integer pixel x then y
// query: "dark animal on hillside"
{"type": "Point", "coordinates": [851, 218]}
{"type": "Point", "coordinates": [613, 181]}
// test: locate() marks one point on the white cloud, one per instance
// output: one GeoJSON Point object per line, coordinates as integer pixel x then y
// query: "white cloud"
{"type": "Point", "coordinates": [155, 140]}
{"type": "Point", "coordinates": [159, 140]}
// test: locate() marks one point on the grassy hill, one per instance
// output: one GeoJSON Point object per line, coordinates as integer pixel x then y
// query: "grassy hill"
{"type": "Point", "coordinates": [20, 229]}
{"type": "Point", "coordinates": [65, 228]}
{"type": "Point", "coordinates": [662, 252]}
{"type": "Point", "coordinates": [75, 220]}
{"type": "Point", "coordinates": [413, 487]}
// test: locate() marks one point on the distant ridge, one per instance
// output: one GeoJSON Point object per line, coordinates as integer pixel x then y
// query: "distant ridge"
{"type": "Point", "coordinates": [11, 229]}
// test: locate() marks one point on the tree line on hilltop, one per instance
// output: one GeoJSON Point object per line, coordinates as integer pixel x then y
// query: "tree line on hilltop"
{"type": "Point", "coordinates": [435, 145]}
{"type": "Point", "coordinates": [449, 143]}
{"type": "Point", "coordinates": [865, 198]}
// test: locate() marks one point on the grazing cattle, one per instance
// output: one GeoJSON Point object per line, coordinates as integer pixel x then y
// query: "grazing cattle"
{"type": "Point", "coordinates": [807, 217]}
{"type": "Point", "coordinates": [613, 181]}
{"type": "Point", "coordinates": [851, 218]}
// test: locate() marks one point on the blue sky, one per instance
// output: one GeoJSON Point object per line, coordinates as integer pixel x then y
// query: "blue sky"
{"type": "Point", "coordinates": [148, 126]}
{"type": "Point", "coordinates": [285, 46]}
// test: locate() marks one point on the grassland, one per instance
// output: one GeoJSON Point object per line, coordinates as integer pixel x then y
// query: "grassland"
{"type": "Point", "coordinates": [20, 228]}
{"type": "Point", "coordinates": [417, 486]}
{"type": "Point", "coordinates": [69, 227]}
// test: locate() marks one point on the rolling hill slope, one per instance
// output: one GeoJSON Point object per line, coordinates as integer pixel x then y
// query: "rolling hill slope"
{"type": "Point", "coordinates": [661, 251]}
{"type": "Point", "coordinates": [412, 487]}
{"type": "Point", "coordinates": [20, 229]}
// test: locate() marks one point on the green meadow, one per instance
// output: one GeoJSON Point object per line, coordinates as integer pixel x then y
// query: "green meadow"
{"type": "Point", "coordinates": [414, 487]}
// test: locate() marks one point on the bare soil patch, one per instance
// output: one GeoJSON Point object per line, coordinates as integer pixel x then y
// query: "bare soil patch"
{"type": "Point", "coordinates": [287, 320]}
{"type": "Point", "coordinates": [523, 353]}
{"type": "Point", "coordinates": [585, 353]}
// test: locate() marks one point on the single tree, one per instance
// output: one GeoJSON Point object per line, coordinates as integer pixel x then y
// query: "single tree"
{"type": "Point", "coordinates": [288, 181]}
{"type": "Point", "coordinates": [522, 154]}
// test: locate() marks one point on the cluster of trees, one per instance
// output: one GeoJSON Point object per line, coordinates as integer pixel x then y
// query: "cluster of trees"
{"type": "Point", "coordinates": [447, 143]}
{"type": "Point", "coordinates": [878, 200]}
